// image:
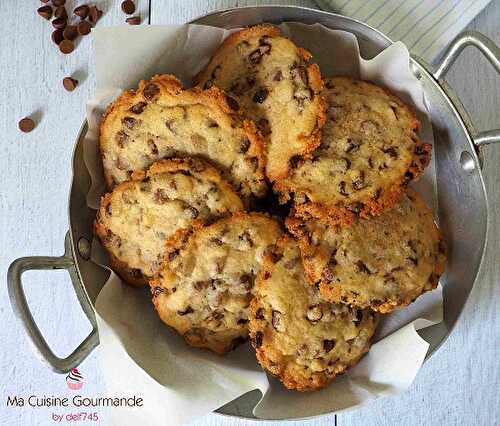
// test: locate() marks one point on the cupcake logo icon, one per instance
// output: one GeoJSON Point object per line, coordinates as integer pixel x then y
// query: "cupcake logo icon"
{"type": "Point", "coordinates": [74, 379]}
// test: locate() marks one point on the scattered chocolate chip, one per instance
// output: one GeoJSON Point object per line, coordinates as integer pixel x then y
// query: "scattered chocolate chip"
{"type": "Point", "coordinates": [59, 23]}
{"type": "Point", "coordinates": [259, 314]}
{"type": "Point", "coordinates": [150, 91]}
{"type": "Point", "coordinates": [82, 11]}
{"type": "Point", "coordinates": [173, 254]}
{"type": "Point", "coordinates": [61, 13]}
{"type": "Point", "coordinates": [128, 7]}
{"type": "Point", "coordinates": [413, 260]}
{"type": "Point", "coordinates": [129, 122]}
{"type": "Point", "coordinates": [134, 20]}
{"type": "Point", "coordinates": [255, 57]}
{"type": "Point", "coordinates": [45, 12]}
{"type": "Point", "coordinates": [193, 212]}
{"type": "Point", "coordinates": [328, 345]}
{"type": "Point", "coordinates": [264, 127]}
{"type": "Point", "coordinates": [294, 161]}
{"type": "Point", "coordinates": [58, 3]}
{"type": "Point", "coordinates": [253, 162]}
{"type": "Point", "coordinates": [232, 103]}
{"type": "Point", "coordinates": [66, 46]}
{"type": "Point", "coordinates": [362, 267]}
{"type": "Point", "coordinates": [156, 291]}
{"type": "Point", "coordinates": [391, 151]}
{"type": "Point", "coordinates": [26, 125]}
{"type": "Point", "coordinates": [342, 190]}
{"type": "Point", "coordinates": [278, 76]}
{"type": "Point", "coordinates": [358, 183]}
{"type": "Point", "coordinates": [260, 95]}
{"type": "Point", "coordinates": [188, 310]}
{"type": "Point", "coordinates": [276, 320]}
{"type": "Point", "coordinates": [314, 313]}
{"type": "Point", "coordinates": [84, 28]}
{"type": "Point", "coordinates": [121, 137]}
{"type": "Point", "coordinates": [70, 83]}
{"type": "Point", "coordinates": [216, 241]}
{"type": "Point", "coordinates": [257, 341]}
{"type": "Point", "coordinates": [351, 146]}
{"type": "Point", "coordinates": [242, 321]}
{"type": "Point", "coordinates": [70, 32]}
{"type": "Point", "coordinates": [247, 280]}
{"type": "Point", "coordinates": [138, 108]}
{"type": "Point", "coordinates": [244, 145]}
{"type": "Point", "coordinates": [212, 124]}
{"type": "Point", "coordinates": [57, 36]}
{"type": "Point", "coordinates": [94, 14]}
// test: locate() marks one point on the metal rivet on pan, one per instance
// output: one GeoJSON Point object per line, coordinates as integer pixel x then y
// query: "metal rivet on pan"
{"type": "Point", "coordinates": [84, 248]}
{"type": "Point", "coordinates": [467, 162]}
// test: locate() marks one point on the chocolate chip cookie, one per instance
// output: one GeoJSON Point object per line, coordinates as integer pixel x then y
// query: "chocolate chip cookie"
{"type": "Point", "coordinates": [275, 86]}
{"type": "Point", "coordinates": [205, 284]}
{"type": "Point", "coordinates": [369, 153]}
{"type": "Point", "coordinates": [160, 120]}
{"type": "Point", "coordinates": [383, 263]}
{"type": "Point", "coordinates": [299, 337]}
{"type": "Point", "coordinates": [138, 216]}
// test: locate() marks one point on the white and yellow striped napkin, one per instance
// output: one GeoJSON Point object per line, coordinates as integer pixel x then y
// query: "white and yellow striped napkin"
{"type": "Point", "coordinates": [425, 26]}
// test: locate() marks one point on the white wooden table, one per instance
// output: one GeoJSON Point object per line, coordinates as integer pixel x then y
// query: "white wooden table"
{"type": "Point", "coordinates": [458, 386]}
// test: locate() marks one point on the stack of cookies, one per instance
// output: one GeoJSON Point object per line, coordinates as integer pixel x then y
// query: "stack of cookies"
{"type": "Point", "coordinates": [271, 202]}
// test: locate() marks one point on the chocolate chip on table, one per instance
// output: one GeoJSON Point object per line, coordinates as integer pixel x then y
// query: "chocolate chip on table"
{"type": "Point", "coordinates": [45, 12]}
{"type": "Point", "coordinates": [60, 12]}
{"type": "Point", "coordinates": [84, 28]}
{"type": "Point", "coordinates": [70, 32]}
{"type": "Point", "coordinates": [82, 11]}
{"type": "Point", "coordinates": [94, 14]}
{"type": "Point", "coordinates": [66, 46]}
{"type": "Point", "coordinates": [58, 2]}
{"type": "Point", "coordinates": [134, 20]}
{"type": "Point", "coordinates": [128, 7]}
{"type": "Point", "coordinates": [57, 36]}
{"type": "Point", "coordinates": [70, 83]}
{"type": "Point", "coordinates": [59, 23]}
{"type": "Point", "coordinates": [26, 125]}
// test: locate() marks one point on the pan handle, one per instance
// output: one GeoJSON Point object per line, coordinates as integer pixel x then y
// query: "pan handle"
{"type": "Point", "coordinates": [492, 53]}
{"type": "Point", "coordinates": [22, 311]}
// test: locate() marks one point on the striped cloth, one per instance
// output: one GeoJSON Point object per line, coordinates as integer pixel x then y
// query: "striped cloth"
{"type": "Point", "coordinates": [425, 26]}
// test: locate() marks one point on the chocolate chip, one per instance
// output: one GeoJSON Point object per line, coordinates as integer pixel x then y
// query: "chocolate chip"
{"type": "Point", "coordinates": [359, 183]}
{"type": "Point", "coordinates": [212, 124]}
{"type": "Point", "coordinates": [342, 190]}
{"type": "Point", "coordinates": [391, 151]}
{"type": "Point", "coordinates": [276, 320]}
{"type": "Point", "coordinates": [259, 314]}
{"type": "Point", "coordinates": [244, 145]}
{"type": "Point", "coordinates": [59, 23]}
{"type": "Point", "coordinates": [70, 83]}
{"type": "Point", "coordinates": [314, 313]}
{"type": "Point", "coordinates": [150, 91]}
{"type": "Point", "coordinates": [267, 275]}
{"type": "Point", "coordinates": [232, 103]}
{"type": "Point", "coordinates": [419, 150]}
{"type": "Point", "coordinates": [121, 137]}
{"type": "Point", "coordinates": [134, 20]}
{"type": "Point", "coordinates": [58, 2]}
{"type": "Point", "coordinates": [188, 310]}
{"type": "Point", "coordinates": [84, 28]}
{"type": "Point", "coordinates": [245, 237]}
{"type": "Point", "coordinates": [328, 345]}
{"type": "Point", "coordinates": [160, 196]}
{"type": "Point", "coordinates": [253, 163]}
{"type": "Point", "coordinates": [128, 7]}
{"type": "Point", "coordinates": [216, 241]}
{"type": "Point", "coordinates": [293, 163]}
{"type": "Point", "coordinates": [173, 254]}
{"type": "Point", "coordinates": [251, 81]}
{"type": "Point", "coordinates": [200, 285]}
{"type": "Point", "coordinates": [355, 207]}
{"type": "Point", "coordinates": [26, 125]}
{"type": "Point", "coordinates": [138, 108]}
{"type": "Point", "coordinates": [45, 12]}
{"type": "Point", "coordinates": [242, 321]}
{"type": "Point", "coordinates": [362, 267]}
{"type": "Point", "coordinates": [156, 291]}
{"type": "Point", "coordinates": [193, 212]}
{"type": "Point", "coordinates": [70, 32]}
{"type": "Point", "coordinates": [129, 122]}
{"type": "Point", "coordinates": [264, 127]}
{"type": "Point", "coordinates": [60, 12]}
{"type": "Point", "coordinates": [136, 273]}
{"type": "Point", "coordinates": [351, 146]}
{"type": "Point", "coordinates": [413, 260]}
{"type": "Point", "coordinates": [278, 76]}
{"type": "Point", "coordinates": [260, 95]}
{"type": "Point", "coordinates": [255, 57]}
{"type": "Point", "coordinates": [94, 14]}
{"type": "Point", "coordinates": [257, 340]}
{"type": "Point", "coordinates": [57, 36]}
{"type": "Point", "coordinates": [82, 11]}
{"type": "Point", "coordinates": [66, 46]}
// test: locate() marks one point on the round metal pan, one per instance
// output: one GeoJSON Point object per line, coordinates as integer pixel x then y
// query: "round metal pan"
{"type": "Point", "coordinates": [462, 201]}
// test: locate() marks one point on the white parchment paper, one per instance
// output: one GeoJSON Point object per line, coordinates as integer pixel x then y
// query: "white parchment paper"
{"type": "Point", "coordinates": [139, 353]}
